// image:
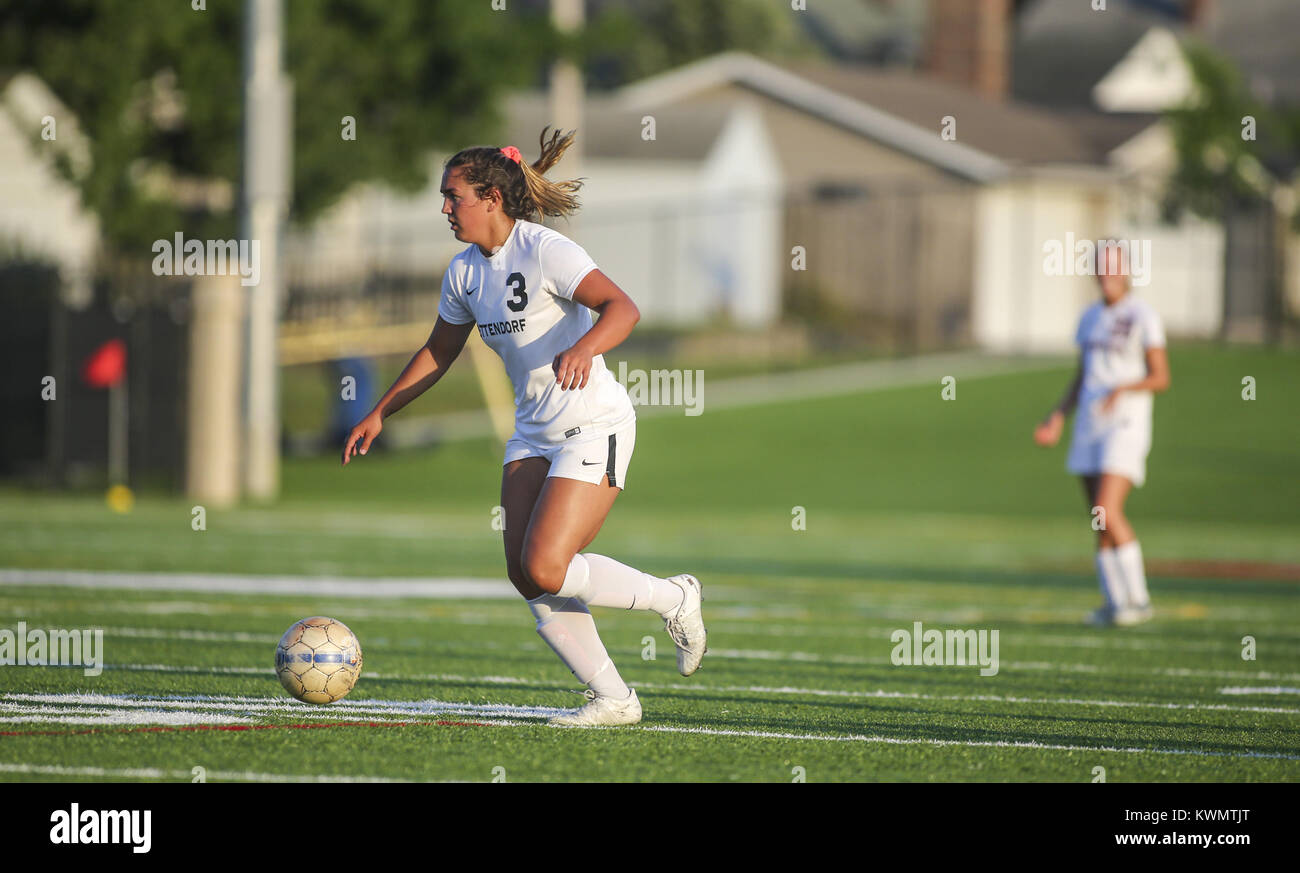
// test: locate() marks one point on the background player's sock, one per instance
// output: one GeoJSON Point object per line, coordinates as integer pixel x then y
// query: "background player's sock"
{"type": "Point", "coordinates": [569, 629]}
{"type": "Point", "coordinates": [1133, 574]}
{"type": "Point", "coordinates": [1111, 578]}
{"type": "Point", "coordinates": [600, 581]}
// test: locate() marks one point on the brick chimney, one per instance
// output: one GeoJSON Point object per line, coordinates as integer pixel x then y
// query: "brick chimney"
{"type": "Point", "coordinates": [1199, 14]}
{"type": "Point", "coordinates": [968, 42]}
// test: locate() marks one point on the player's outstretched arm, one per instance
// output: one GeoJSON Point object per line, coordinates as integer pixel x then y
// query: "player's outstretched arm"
{"type": "Point", "coordinates": [425, 368]}
{"type": "Point", "coordinates": [1048, 432]}
{"type": "Point", "coordinates": [1156, 380]}
{"type": "Point", "coordinates": [618, 315]}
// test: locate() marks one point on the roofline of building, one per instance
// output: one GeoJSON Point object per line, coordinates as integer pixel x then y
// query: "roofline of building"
{"type": "Point", "coordinates": [749, 71]}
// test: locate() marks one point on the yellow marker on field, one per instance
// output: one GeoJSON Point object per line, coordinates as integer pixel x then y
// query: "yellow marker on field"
{"type": "Point", "coordinates": [120, 499]}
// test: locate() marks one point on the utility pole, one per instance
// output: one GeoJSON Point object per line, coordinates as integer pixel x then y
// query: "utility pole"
{"type": "Point", "coordinates": [567, 96]}
{"type": "Point", "coordinates": [265, 202]}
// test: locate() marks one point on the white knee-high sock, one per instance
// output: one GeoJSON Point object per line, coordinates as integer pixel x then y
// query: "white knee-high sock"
{"type": "Point", "coordinates": [600, 581]}
{"type": "Point", "coordinates": [569, 629]}
{"type": "Point", "coordinates": [1111, 579]}
{"type": "Point", "coordinates": [1133, 573]}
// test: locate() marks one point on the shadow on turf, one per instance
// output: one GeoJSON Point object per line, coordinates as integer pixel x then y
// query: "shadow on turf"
{"type": "Point", "coordinates": [965, 734]}
{"type": "Point", "coordinates": [1052, 579]}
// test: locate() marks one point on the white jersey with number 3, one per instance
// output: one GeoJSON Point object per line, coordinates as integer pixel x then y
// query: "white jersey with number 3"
{"type": "Point", "coordinates": [522, 300]}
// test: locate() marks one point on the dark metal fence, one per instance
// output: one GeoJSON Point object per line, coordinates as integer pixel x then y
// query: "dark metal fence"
{"type": "Point", "coordinates": [63, 441]}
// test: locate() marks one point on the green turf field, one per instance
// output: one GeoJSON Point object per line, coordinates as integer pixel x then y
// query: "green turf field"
{"type": "Point", "coordinates": [918, 510]}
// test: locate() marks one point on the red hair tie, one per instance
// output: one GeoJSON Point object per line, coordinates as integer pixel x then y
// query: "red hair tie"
{"type": "Point", "coordinates": [512, 153]}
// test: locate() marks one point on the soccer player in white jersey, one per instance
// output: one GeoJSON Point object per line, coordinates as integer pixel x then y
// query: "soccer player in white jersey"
{"type": "Point", "coordinates": [1122, 363]}
{"type": "Point", "coordinates": [530, 291]}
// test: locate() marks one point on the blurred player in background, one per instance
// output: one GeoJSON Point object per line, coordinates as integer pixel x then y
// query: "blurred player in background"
{"type": "Point", "coordinates": [1122, 363]}
{"type": "Point", "coordinates": [531, 291]}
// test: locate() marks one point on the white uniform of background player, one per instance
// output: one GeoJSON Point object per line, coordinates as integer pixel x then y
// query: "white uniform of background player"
{"type": "Point", "coordinates": [1113, 341]}
{"type": "Point", "coordinates": [1119, 338]}
{"type": "Point", "coordinates": [522, 299]}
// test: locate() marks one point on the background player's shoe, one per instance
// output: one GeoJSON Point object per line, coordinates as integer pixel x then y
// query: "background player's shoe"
{"type": "Point", "coordinates": [686, 627]}
{"type": "Point", "coordinates": [1102, 616]}
{"type": "Point", "coordinates": [602, 711]}
{"type": "Point", "coordinates": [1132, 615]}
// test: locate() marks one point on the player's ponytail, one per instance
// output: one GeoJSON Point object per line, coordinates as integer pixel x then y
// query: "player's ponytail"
{"type": "Point", "coordinates": [525, 191]}
{"type": "Point", "coordinates": [551, 198]}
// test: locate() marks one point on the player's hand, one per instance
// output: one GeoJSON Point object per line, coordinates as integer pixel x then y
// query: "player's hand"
{"type": "Point", "coordinates": [1049, 430]}
{"type": "Point", "coordinates": [572, 368]}
{"type": "Point", "coordinates": [1108, 404]}
{"type": "Point", "coordinates": [363, 435]}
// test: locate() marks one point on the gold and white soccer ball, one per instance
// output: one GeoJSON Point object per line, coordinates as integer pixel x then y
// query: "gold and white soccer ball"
{"type": "Point", "coordinates": [318, 660]}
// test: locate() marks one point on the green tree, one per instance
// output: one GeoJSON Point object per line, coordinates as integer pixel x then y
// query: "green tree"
{"type": "Point", "coordinates": [157, 88]}
{"type": "Point", "coordinates": [631, 39]}
{"type": "Point", "coordinates": [1235, 154]}
{"type": "Point", "coordinates": [1217, 161]}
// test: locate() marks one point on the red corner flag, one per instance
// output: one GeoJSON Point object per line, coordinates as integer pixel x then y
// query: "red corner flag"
{"type": "Point", "coordinates": [106, 367]}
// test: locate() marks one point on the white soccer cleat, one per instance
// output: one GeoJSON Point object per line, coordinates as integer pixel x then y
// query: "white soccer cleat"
{"type": "Point", "coordinates": [602, 712]}
{"type": "Point", "coordinates": [686, 627]}
{"type": "Point", "coordinates": [1132, 615]}
{"type": "Point", "coordinates": [1127, 616]}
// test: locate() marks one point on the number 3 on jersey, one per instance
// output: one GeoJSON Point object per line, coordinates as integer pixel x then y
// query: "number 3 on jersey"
{"type": "Point", "coordinates": [520, 298]}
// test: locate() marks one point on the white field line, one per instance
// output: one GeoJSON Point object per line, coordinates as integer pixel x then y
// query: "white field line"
{"type": "Point", "coordinates": [801, 657]}
{"type": "Point", "coordinates": [428, 706]}
{"type": "Point", "coordinates": [750, 619]}
{"type": "Point", "coordinates": [195, 607]}
{"type": "Point", "coordinates": [761, 734]}
{"type": "Point", "coordinates": [11, 712]}
{"type": "Point", "coordinates": [863, 738]}
{"type": "Point", "coordinates": [286, 706]}
{"type": "Point", "coordinates": [979, 698]}
{"type": "Point", "coordinates": [812, 630]}
{"type": "Point", "coordinates": [458, 588]}
{"type": "Point", "coordinates": [1030, 636]}
{"type": "Point", "coordinates": [817, 629]}
{"type": "Point", "coordinates": [126, 717]}
{"type": "Point", "coordinates": [997, 744]}
{"type": "Point", "coordinates": [154, 633]}
{"type": "Point", "coordinates": [817, 658]}
{"type": "Point", "coordinates": [183, 775]}
{"type": "Point", "coordinates": [1050, 666]}
{"type": "Point", "coordinates": [1054, 614]}
{"type": "Point", "coordinates": [380, 707]}
{"type": "Point", "coordinates": [1275, 689]}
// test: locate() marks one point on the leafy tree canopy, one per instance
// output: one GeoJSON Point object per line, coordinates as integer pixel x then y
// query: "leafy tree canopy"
{"type": "Point", "coordinates": [1217, 158]}
{"type": "Point", "coordinates": [156, 86]}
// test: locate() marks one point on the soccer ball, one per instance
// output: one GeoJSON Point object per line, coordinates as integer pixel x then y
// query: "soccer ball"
{"type": "Point", "coordinates": [318, 660]}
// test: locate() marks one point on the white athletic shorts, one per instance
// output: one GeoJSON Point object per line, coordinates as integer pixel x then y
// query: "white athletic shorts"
{"type": "Point", "coordinates": [587, 461]}
{"type": "Point", "coordinates": [1110, 444]}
